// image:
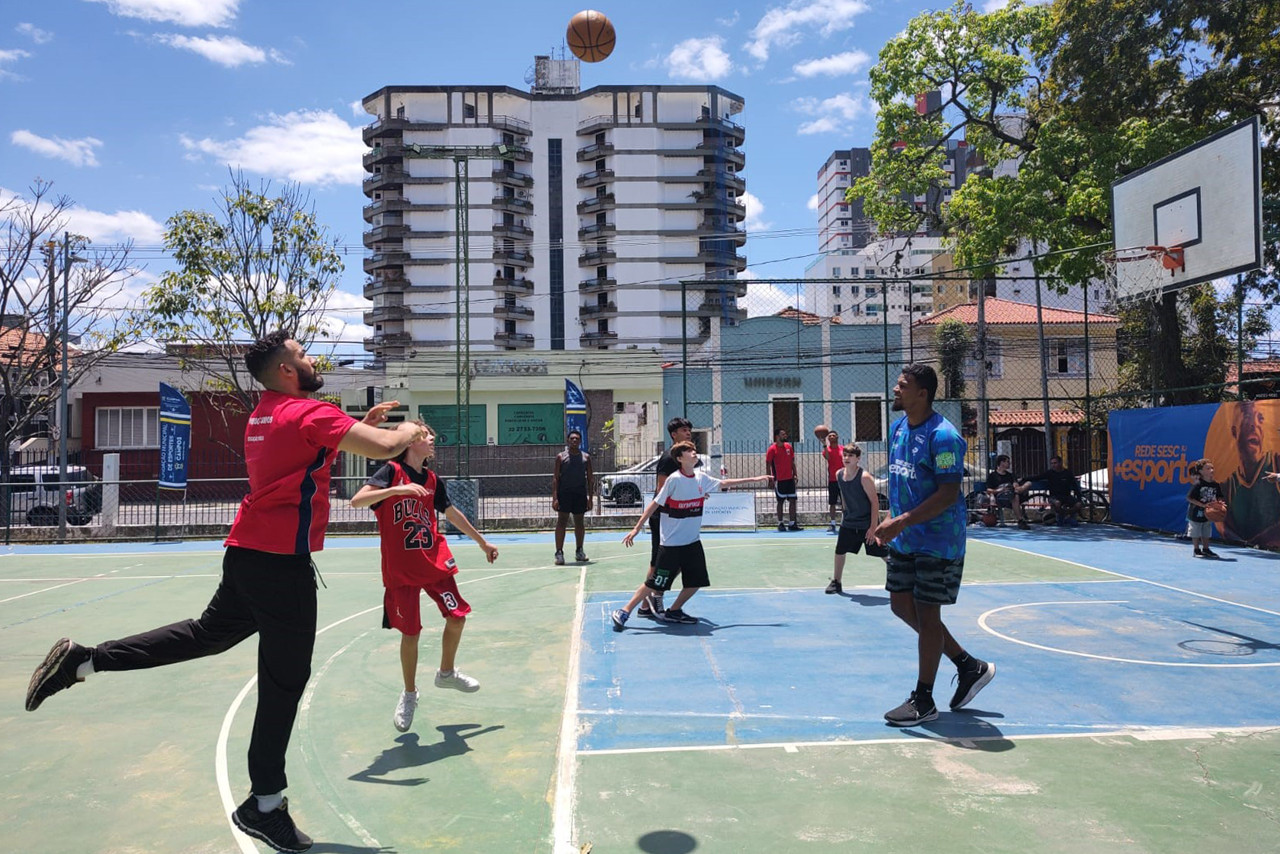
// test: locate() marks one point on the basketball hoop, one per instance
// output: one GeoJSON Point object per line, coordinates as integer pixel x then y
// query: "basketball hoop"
{"type": "Point", "coordinates": [1134, 271]}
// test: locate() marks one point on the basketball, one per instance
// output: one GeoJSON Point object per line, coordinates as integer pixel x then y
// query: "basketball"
{"type": "Point", "coordinates": [590, 36]}
{"type": "Point", "coordinates": [1216, 511]}
{"type": "Point", "coordinates": [989, 520]}
{"type": "Point", "coordinates": [820, 432]}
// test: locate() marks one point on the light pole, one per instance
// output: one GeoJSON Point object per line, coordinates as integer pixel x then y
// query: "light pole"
{"type": "Point", "coordinates": [64, 422]}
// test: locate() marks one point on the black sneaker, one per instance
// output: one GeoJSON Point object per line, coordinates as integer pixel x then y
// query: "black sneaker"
{"type": "Point", "coordinates": [1024, 525]}
{"type": "Point", "coordinates": [834, 587]}
{"type": "Point", "coordinates": [914, 710]}
{"type": "Point", "coordinates": [677, 615]}
{"type": "Point", "coordinates": [1208, 553]}
{"type": "Point", "coordinates": [56, 672]}
{"type": "Point", "coordinates": [794, 526]}
{"type": "Point", "coordinates": [275, 828]}
{"type": "Point", "coordinates": [971, 682]}
{"type": "Point", "coordinates": [782, 526]}
{"type": "Point", "coordinates": [644, 610]}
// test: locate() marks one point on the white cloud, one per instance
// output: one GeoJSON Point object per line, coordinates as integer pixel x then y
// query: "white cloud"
{"type": "Point", "coordinates": [8, 56]}
{"type": "Point", "coordinates": [99, 226]}
{"type": "Point", "coordinates": [184, 13]}
{"type": "Point", "coordinates": [829, 115]}
{"type": "Point", "coordinates": [310, 147]}
{"type": "Point", "coordinates": [764, 298]}
{"type": "Point", "coordinates": [813, 202]}
{"type": "Point", "coordinates": [344, 318]}
{"type": "Point", "coordinates": [754, 221]}
{"type": "Point", "coordinates": [699, 59]}
{"type": "Point", "coordinates": [77, 152]}
{"type": "Point", "coordinates": [228, 51]}
{"type": "Point", "coordinates": [782, 26]}
{"type": "Point", "coordinates": [34, 33]}
{"type": "Point", "coordinates": [836, 65]}
{"type": "Point", "coordinates": [357, 109]}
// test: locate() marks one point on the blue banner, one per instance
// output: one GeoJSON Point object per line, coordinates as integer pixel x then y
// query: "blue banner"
{"type": "Point", "coordinates": [575, 411]}
{"type": "Point", "coordinates": [175, 437]}
{"type": "Point", "coordinates": [1152, 449]}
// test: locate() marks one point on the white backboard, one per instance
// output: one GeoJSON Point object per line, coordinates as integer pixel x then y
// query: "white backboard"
{"type": "Point", "coordinates": [1206, 199]}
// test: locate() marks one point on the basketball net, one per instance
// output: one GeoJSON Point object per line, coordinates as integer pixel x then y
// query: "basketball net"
{"type": "Point", "coordinates": [1140, 273]}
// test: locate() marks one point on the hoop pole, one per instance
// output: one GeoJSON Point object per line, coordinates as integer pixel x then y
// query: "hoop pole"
{"type": "Point", "coordinates": [1239, 337]}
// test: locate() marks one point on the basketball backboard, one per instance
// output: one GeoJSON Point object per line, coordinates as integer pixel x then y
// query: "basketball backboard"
{"type": "Point", "coordinates": [1205, 199]}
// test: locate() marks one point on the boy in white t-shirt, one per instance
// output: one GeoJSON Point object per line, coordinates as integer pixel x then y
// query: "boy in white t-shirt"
{"type": "Point", "coordinates": [681, 499]}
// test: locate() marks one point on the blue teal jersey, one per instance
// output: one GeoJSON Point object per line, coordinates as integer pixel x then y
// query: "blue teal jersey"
{"type": "Point", "coordinates": [921, 458]}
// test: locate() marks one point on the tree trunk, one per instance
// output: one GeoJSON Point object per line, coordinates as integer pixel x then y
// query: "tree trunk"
{"type": "Point", "coordinates": [1167, 367]}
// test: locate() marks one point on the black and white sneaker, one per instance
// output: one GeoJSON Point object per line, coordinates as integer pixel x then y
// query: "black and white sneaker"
{"type": "Point", "coordinates": [275, 828]}
{"type": "Point", "coordinates": [677, 615]}
{"type": "Point", "coordinates": [970, 682]}
{"type": "Point", "coordinates": [834, 587]}
{"type": "Point", "coordinates": [914, 710]}
{"type": "Point", "coordinates": [794, 526]}
{"type": "Point", "coordinates": [619, 619]}
{"type": "Point", "coordinates": [782, 526]}
{"type": "Point", "coordinates": [57, 672]}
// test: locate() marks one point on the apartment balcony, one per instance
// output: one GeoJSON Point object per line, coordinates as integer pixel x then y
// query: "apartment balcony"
{"type": "Point", "coordinates": [383, 128]}
{"type": "Point", "coordinates": [389, 152]}
{"type": "Point", "coordinates": [512, 178]}
{"type": "Point", "coordinates": [595, 177]}
{"type": "Point", "coordinates": [516, 340]}
{"type": "Point", "coordinates": [734, 131]}
{"type": "Point", "coordinates": [509, 123]}
{"type": "Point", "coordinates": [724, 231]}
{"type": "Point", "coordinates": [517, 285]}
{"type": "Point", "coordinates": [395, 231]}
{"type": "Point", "coordinates": [591, 152]}
{"type": "Point", "coordinates": [392, 260]}
{"type": "Point", "coordinates": [385, 206]}
{"type": "Point", "coordinates": [716, 306]}
{"type": "Point", "coordinates": [586, 127]}
{"type": "Point", "coordinates": [597, 229]}
{"type": "Point", "coordinates": [511, 203]}
{"type": "Point", "coordinates": [595, 311]}
{"type": "Point", "coordinates": [596, 256]}
{"type": "Point", "coordinates": [596, 285]}
{"type": "Point", "coordinates": [516, 232]}
{"type": "Point", "coordinates": [517, 257]}
{"type": "Point", "coordinates": [597, 339]}
{"type": "Point", "coordinates": [596, 204]}
{"type": "Point", "coordinates": [385, 285]}
{"type": "Point", "coordinates": [724, 260]}
{"type": "Point", "coordinates": [401, 339]}
{"type": "Point", "coordinates": [512, 312]}
{"type": "Point", "coordinates": [388, 179]}
{"type": "Point", "coordinates": [727, 153]}
{"type": "Point", "coordinates": [521, 153]}
{"type": "Point", "coordinates": [384, 313]}
{"type": "Point", "coordinates": [724, 178]}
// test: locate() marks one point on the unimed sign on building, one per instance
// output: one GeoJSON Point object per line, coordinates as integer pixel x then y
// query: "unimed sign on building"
{"type": "Point", "coordinates": [530, 423]}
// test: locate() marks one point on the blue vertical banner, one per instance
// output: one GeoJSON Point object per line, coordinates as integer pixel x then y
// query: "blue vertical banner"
{"type": "Point", "coordinates": [575, 411]}
{"type": "Point", "coordinates": [175, 437]}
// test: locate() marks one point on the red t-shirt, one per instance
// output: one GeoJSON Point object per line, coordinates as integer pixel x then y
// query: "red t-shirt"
{"type": "Point", "coordinates": [413, 552]}
{"type": "Point", "coordinates": [289, 447]}
{"type": "Point", "coordinates": [835, 461]}
{"type": "Point", "coordinates": [781, 460]}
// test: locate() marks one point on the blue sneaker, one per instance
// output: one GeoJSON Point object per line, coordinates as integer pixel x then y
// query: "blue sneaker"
{"type": "Point", "coordinates": [619, 619]}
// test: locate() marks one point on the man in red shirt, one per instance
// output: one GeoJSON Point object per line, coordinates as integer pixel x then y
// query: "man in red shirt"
{"type": "Point", "coordinates": [780, 461]}
{"type": "Point", "coordinates": [834, 455]}
{"type": "Point", "coordinates": [268, 584]}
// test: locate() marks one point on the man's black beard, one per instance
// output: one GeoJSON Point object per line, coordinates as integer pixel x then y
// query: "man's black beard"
{"type": "Point", "coordinates": [315, 382]}
{"type": "Point", "coordinates": [897, 406]}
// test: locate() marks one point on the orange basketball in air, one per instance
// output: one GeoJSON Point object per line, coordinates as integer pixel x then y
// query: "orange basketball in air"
{"type": "Point", "coordinates": [590, 36]}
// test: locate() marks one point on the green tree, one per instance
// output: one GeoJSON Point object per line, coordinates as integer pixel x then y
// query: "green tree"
{"type": "Point", "coordinates": [261, 262]}
{"type": "Point", "coordinates": [955, 346]}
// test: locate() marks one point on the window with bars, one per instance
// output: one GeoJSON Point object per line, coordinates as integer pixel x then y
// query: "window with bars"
{"type": "Point", "coordinates": [124, 427]}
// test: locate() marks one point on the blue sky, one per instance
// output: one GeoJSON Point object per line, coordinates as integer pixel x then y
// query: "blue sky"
{"type": "Point", "coordinates": [136, 108]}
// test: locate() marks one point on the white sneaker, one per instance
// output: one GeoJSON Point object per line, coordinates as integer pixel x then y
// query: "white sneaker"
{"type": "Point", "coordinates": [403, 718]}
{"type": "Point", "coordinates": [458, 681]}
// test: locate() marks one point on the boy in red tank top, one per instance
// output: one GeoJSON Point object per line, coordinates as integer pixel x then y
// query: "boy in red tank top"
{"type": "Point", "coordinates": [406, 496]}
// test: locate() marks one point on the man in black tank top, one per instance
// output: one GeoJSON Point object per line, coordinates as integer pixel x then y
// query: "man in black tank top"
{"type": "Point", "coordinates": [571, 495]}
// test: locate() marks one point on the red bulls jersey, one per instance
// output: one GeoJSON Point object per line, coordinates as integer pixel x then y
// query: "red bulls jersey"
{"type": "Point", "coordinates": [413, 550]}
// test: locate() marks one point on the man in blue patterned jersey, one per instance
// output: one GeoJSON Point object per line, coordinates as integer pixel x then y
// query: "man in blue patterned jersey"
{"type": "Point", "coordinates": [925, 534]}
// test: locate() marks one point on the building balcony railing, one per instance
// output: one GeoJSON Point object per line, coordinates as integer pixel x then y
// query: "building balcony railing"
{"type": "Point", "coordinates": [597, 229]}
{"type": "Point", "coordinates": [520, 153]}
{"type": "Point", "coordinates": [727, 153]}
{"type": "Point", "coordinates": [723, 259]}
{"type": "Point", "coordinates": [383, 313]}
{"type": "Point", "coordinates": [512, 256]}
{"type": "Point", "coordinates": [511, 203]}
{"type": "Point", "coordinates": [596, 285]}
{"type": "Point", "coordinates": [387, 127]}
{"type": "Point", "coordinates": [384, 180]}
{"type": "Point", "coordinates": [384, 206]}
{"type": "Point", "coordinates": [597, 339]}
{"type": "Point", "coordinates": [399, 338]}
{"type": "Point", "coordinates": [595, 123]}
{"type": "Point", "coordinates": [510, 123]}
{"type": "Point", "coordinates": [385, 285]}
{"type": "Point", "coordinates": [383, 152]}
{"type": "Point", "coordinates": [596, 256]}
{"type": "Point", "coordinates": [513, 312]}
{"type": "Point", "coordinates": [385, 260]}
{"type": "Point", "coordinates": [378, 234]}
{"type": "Point", "coordinates": [723, 177]}
{"type": "Point", "coordinates": [722, 231]}
{"type": "Point", "coordinates": [598, 203]}
{"type": "Point", "coordinates": [518, 232]}
{"type": "Point", "coordinates": [598, 149]}
{"type": "Point", "coordinates": [516, 285]}
{"type": "Point", "coordinates": [594, 177]}
{"type": "Point", "coordinates": [733, 130]}
{"type": "Point", "coordinates": [596, 310]}
{"type": "Point", "coordinates": [513, 339]}
{"type": "Point", "coordinates": [512, 178]}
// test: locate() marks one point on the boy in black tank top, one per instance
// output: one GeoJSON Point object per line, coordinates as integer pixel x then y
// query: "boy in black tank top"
{"type": "Point", "coordinates": [861, 513]}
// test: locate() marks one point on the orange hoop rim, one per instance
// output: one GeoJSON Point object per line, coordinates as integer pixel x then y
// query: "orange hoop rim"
{"type": "Point", "coordinates": [1171, 257]}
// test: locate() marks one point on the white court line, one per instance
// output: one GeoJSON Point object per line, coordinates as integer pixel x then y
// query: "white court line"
{"type": "Point", "coordinates": [1138, 733]}
{"type": "Point", "coordinates": [220, 773]}
{"type": "Point", "coordinates": [45, 590]}
{"type": "Point", "coordinates": [562, 808]}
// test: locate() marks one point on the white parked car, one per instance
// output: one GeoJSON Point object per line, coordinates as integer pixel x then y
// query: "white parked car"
{"type": "Point", "coordinates": [35, 493]}
{"type": "Point", "coordinates": [629, 486]}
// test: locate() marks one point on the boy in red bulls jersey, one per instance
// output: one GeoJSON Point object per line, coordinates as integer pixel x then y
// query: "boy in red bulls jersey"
{"type": "Point", "coordinates": [268, 584]}
{"type": "Point", "coordinates": [681, 499]}
{"type": "Point", "coordinates": [405, 496]}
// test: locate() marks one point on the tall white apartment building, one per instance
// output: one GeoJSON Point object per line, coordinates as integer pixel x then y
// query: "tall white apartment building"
{"type": "Point", "coordinates": [887, 278]}
{"type": "Point", "coordinates": [613, 197]}
{"type": "Point", "coordinates": [842, 226]}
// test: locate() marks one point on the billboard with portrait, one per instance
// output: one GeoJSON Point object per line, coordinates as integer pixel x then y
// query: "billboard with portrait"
{"type": "Point", "coordinates": [1152, 448]}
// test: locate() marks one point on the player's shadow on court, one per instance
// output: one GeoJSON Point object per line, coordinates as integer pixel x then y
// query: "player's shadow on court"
{"type": "Point", "coordinates": [335, 848]}
{"type": "Point", "coordinates": [967, 728]}
{"type": "Point", "coordinates": [1233, 645]}
{"type": "Point", "coordinates": [409, 753]}
{"type": "Point", "coordinates": [865, 600]}
{"type": "Point", "coordinates": [705, 627]}
{"type": "Point", "coordinates": [666, 842]}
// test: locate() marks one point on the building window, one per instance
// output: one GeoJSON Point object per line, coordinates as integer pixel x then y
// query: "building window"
{"type": "Point", "coordinates": [995, 361]}
{"type": "Point", "coordinates": [126, 427]}
{"type": "Point", "coordinates": [835, 274]}
{"type": "Point", "coordinates": [1067, 357]}
{"type": "Point", "coordinates": [835, 290]}
{"type": "Point", "coordinates": [784, 414]}
{"type": "Point", "coordinates": [839, 308]}
{"type": "Point", "coordinates": [868, 418]}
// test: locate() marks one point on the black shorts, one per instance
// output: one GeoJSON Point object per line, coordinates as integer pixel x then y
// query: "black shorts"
{"type": "Point", "coordinates": [833, 493]}
{"type": "Point", "coordinates": [655, 537]}
{"type": "Point", "coordinates": [689, 562]}
{"type": "Point", "coordinates": [853, 539]}
{"type": "Point", "coordinates": [785, 489]}
{"type": "Point", "coordinates": [576, 503]}
{"type": "Point", "coordinates": [931, 580]}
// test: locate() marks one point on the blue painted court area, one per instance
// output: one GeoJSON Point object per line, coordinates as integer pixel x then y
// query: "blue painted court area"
{"type": "Point", "coordinates": [769, 666]}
